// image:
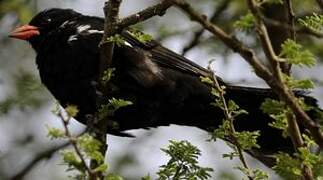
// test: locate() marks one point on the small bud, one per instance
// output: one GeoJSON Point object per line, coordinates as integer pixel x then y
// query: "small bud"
{"type": "Point", "coordinates": [71, 110]}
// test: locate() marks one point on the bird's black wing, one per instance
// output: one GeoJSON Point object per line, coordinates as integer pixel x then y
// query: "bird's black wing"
{"type": "Point", "coordinates": [165, 57]}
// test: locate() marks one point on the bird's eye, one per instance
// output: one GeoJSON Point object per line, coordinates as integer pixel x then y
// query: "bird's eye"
{"type": "Point", "coordinates": [48, 20]}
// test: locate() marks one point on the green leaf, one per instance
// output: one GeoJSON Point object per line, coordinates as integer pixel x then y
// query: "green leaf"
{"type": "Point", "coordinates": [245, 23]}
{"type": "Point", "coordinates": [142, 37]}
{"type": "Point", "coordinates": [276, 110]}
{"type": "Point", "coordinates": [71, 110]}
{"type": "Point", "coordinates": [71, 159]}
{"type": "Point", "coordinates": [298, 84]}
{"type": "Point", "coordinates": [55, 133]}
{"type": "Point", "coordinates": [295, 54]}
{"type": "Point", "coordinates": [101, 168]}
{"type": "Point", "coordinates": [107, 75]}
{"type": "Point", "coordinates": [206, 80]}
{"type": "Point", "coordinates": [313, 22]}
{"type": "Point", "coordinates": [113, 177]}
{"type": "Point", "coordinates": [222, 131]}
{"type": "Point", "coordinates": [91, 147]}
{"type": "Point", "coordinates": [247, 139]}
{"type": "Point", "coordinates": [117, 39]}
{"type": "Point", "coordinates": [260, 175]}
{"type": "Point", "coordinates": [271, 106]}
{"type": "Point", "coordinates": [183, 163]}
{"type": "Point", "coordinates": [288, 167]}
{"type": "Point", "coordinates": [118, 103]}
{"type": "Point", "coordinates": [147, 177]}
{"type": "Point", "coordinates": [308, 158]}
{"type": "Point", "coordinates": [114, 104]}
{"type": "Point", "coordinates": [215, 92]}
{"type": "Point", "coordinates": [232, 106]}
{"type": "Point", "coordinates": [280, 123]}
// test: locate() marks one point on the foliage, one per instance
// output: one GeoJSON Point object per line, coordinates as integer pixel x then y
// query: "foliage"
{"type": "Point", "coordinates": [142, 37]}
{"type": "Point", "coordinates": [313, 22]}
{"type": "Point", "coordinates": [290, 167]}
{"type": "Point", "coordinates": [113, 104]}
{"type": "Point", "coordinates": [117, 39]}
{"type": "Point", "coordinates": [294, 54]}
{"type": "Point", "coordinates": [277, 110]}
{"type": "Point", "coordinates": [183, 163]}
{"type": "Point", "coordinates": [107, 75]}
{"type": "Point", "coordinates": [71, 110]}
{"type": "Point", "coordinates": [245, 23]}
{"type": "Point", "coordinates": [256, 174]}
{"type": "Point", "coordinates": [298, 84]}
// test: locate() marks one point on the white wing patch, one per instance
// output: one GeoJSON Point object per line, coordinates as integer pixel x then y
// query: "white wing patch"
{"type": "Point", "coordinates": [83, 28]}
{"type": "Point", "coordinates": [128, 44]}
{"type": "Point", "coordinates": [94, 31]}
{"type": "Point", "coordinates": [72, 38]}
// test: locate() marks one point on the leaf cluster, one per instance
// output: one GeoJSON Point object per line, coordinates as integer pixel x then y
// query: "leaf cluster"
{"type": "Point", "coordinates": [278, 111]}
{"type": "Point", "coordinates": [117, 39]}
{"type": "Point", "coordinates": [245, 23]}
{"type": "Point", "coordinates": [313, 22]}
{"type": "Point", "coordinates": [142, 37]}
{"type": "Point", "coordinates": [295, 54]}
{"type": "Point", "coordinates": [290, 167]}
{"type": "Point", "coordinates": [113, 104]}
{"type": "Point", "coordinates": [107, 75]}
{"type": "Point", "coordinates": [183, 163]}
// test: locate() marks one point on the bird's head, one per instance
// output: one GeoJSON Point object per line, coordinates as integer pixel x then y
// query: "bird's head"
{"type": "Point", "coordinates": [42, 24]}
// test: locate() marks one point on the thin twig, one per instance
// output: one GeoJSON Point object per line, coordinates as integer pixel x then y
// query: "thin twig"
{"type": "Point", "coordinates": [155, 10]}
{"type": "Point", "coordinates": [291, 19]}
{"type": "Point", "coordinates": [73, 142]}
{"type": "Point", "coordinates": [229, 118]}
{"type": "Point", "coordinates": [197, 34]}
{"type": "Point", "coordinates": [265, 40]}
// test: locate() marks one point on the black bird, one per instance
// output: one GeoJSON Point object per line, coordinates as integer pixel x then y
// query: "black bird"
{"type": "Point", "coordinates": [165, 88]}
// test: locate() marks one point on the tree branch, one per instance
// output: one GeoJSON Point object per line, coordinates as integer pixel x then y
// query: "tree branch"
{"type": "Point", "coordinates": [197, 35]}
{"type": "Point", "coordinates": [111, 12]}
{"type": "Point", "coordinates": [230, 41]}
{"type": "Point", "coordinates": [155, 10]}
{"type": "Point", "coordinates": [230, 118]}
